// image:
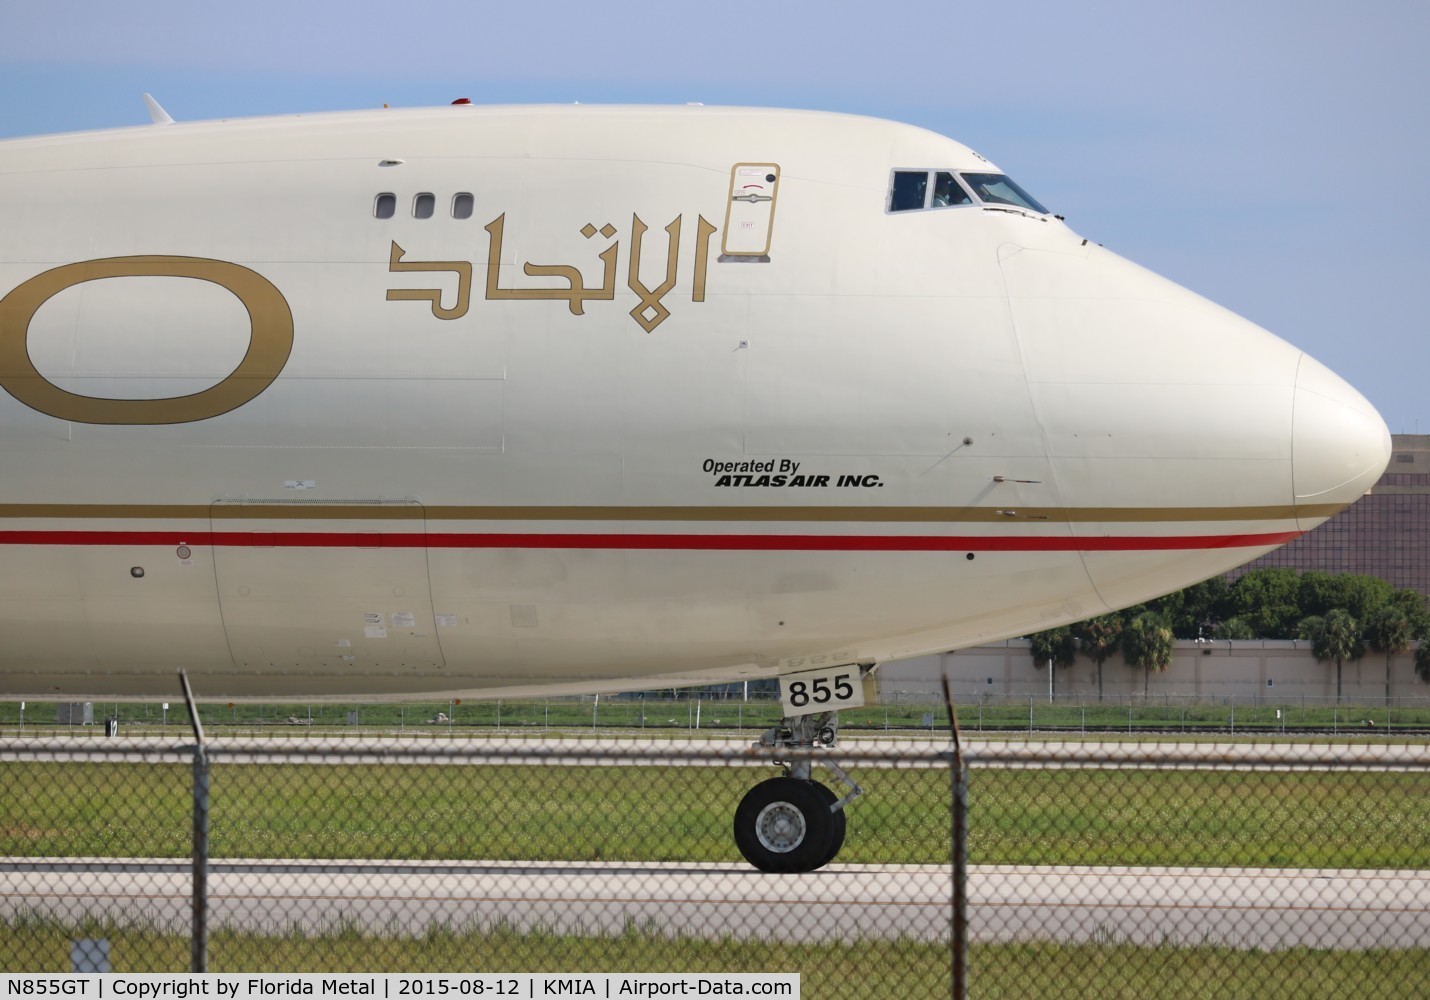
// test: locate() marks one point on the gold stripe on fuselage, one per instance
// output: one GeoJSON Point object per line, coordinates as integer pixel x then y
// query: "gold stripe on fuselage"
{"type": "Point", "coordinates": [399, 511]}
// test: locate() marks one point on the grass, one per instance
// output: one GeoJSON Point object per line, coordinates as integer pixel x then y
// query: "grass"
{"type": "Point", "coordinates": [857, 970]}
{"type": "Point", "coordinates": [1199, 818]}
{"type": "Point", "coordinates": [1042, 817]}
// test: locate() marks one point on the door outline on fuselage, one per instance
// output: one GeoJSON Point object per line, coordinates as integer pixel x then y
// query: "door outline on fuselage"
{"type": "Point", "coordinates": [330, 588]}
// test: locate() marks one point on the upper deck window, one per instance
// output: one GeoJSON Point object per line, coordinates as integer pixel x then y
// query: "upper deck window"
{"type": "Point", "coordinates": [999, 189]}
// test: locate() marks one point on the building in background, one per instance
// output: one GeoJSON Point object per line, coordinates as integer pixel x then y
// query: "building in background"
{"type": "Point", "coordinates": [1386, 533]}
{"type": "Point", "coordinates": [1250, 672]}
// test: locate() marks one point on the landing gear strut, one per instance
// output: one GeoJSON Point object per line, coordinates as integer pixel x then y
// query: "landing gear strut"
{"type": "Point", "coordinates": [793, 823]}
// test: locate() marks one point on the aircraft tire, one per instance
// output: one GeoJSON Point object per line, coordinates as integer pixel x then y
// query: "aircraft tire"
{"type": "Point", "coordinates": [784, 825]}
{"type": "Point", "coordinates": [838, 824]}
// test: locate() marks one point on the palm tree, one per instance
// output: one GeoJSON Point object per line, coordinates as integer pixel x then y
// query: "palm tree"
{"type": "Point", "coordinates": [1100, 638]}
{"type": "Point", "coordinates": [1389, 630]}
{"type": "Point", "coordinates": [1148, 644]}
{"type": "Point", "coordinates": [1334, 637]}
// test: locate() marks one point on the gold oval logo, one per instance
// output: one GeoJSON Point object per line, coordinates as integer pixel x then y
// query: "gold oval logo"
{"type": "Point", "coordinates": [269, 344]}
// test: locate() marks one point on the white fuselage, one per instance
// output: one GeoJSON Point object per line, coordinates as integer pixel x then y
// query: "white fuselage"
{"type": "Point", "coordinates": [649, 395]}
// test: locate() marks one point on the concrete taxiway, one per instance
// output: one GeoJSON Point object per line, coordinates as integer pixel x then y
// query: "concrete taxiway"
{"type": "Point", "coordinates": [1242, 908]}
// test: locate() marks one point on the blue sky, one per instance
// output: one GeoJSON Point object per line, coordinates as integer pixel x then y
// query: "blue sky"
{"type": "Point", "coordinates": [1265, 154]}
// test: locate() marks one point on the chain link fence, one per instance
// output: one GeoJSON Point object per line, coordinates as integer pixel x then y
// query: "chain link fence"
{"type": "Point", "coordinates": [1092, 869]}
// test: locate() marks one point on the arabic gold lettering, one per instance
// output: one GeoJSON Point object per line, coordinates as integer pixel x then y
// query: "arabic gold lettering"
{"type": "Point", "coordinates": [575, 295]}
{"type": "Point", "coordinates": [650, 298]}
{"type": "Point", "coordinates": [703, 231]}
{"type": "Point", "coordinates": [649, 312]}
{"type": "Point", "coordinates": [568, 273]}
{"type": "Point", "coordinates": [608, 278]}
{"type": "Point", "coordinates": [495, 231]}
{"type": "Point", "coordinates": [463, 269]}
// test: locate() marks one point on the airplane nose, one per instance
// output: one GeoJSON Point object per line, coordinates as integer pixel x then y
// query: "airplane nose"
{"type": "Point", "coordinates": [1339, 444]}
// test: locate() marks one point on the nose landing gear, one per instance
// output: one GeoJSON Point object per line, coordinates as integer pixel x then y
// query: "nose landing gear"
{"type": "Point", "coordinates": [793, 823]}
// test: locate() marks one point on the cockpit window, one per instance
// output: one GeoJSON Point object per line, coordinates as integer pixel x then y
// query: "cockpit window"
{"type": "Point", "coordinates": [947, 191]}
{"type": "Point", "coordinates": [909, 189]}
{"type": "Point", "coordinates": [913, 190]}
{"type": "Point", "coordinates": [999, 189]}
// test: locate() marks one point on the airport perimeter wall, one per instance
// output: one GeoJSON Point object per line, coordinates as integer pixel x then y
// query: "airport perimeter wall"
{"type": "Point", "coordinates": [1238, 672]}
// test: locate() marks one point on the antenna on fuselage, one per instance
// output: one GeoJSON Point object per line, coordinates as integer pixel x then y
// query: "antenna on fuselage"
{"type": "Point", "coordinates": [156, 112]}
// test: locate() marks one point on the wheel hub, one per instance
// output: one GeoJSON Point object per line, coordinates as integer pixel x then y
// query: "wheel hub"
{"type": "Point", "coordinates": [780, 827]}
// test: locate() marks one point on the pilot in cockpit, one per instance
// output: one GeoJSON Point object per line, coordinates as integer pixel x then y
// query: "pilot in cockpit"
{"type": "Point", "coordinates": [946, 191]}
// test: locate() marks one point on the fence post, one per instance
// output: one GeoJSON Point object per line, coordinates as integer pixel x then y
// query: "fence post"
{"type": "Point", "coordinates": [958, 832]}
{"type": "Point", "coordinates": [959, 773]}
{"type": "Point", "coordinates": [199, 957]}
